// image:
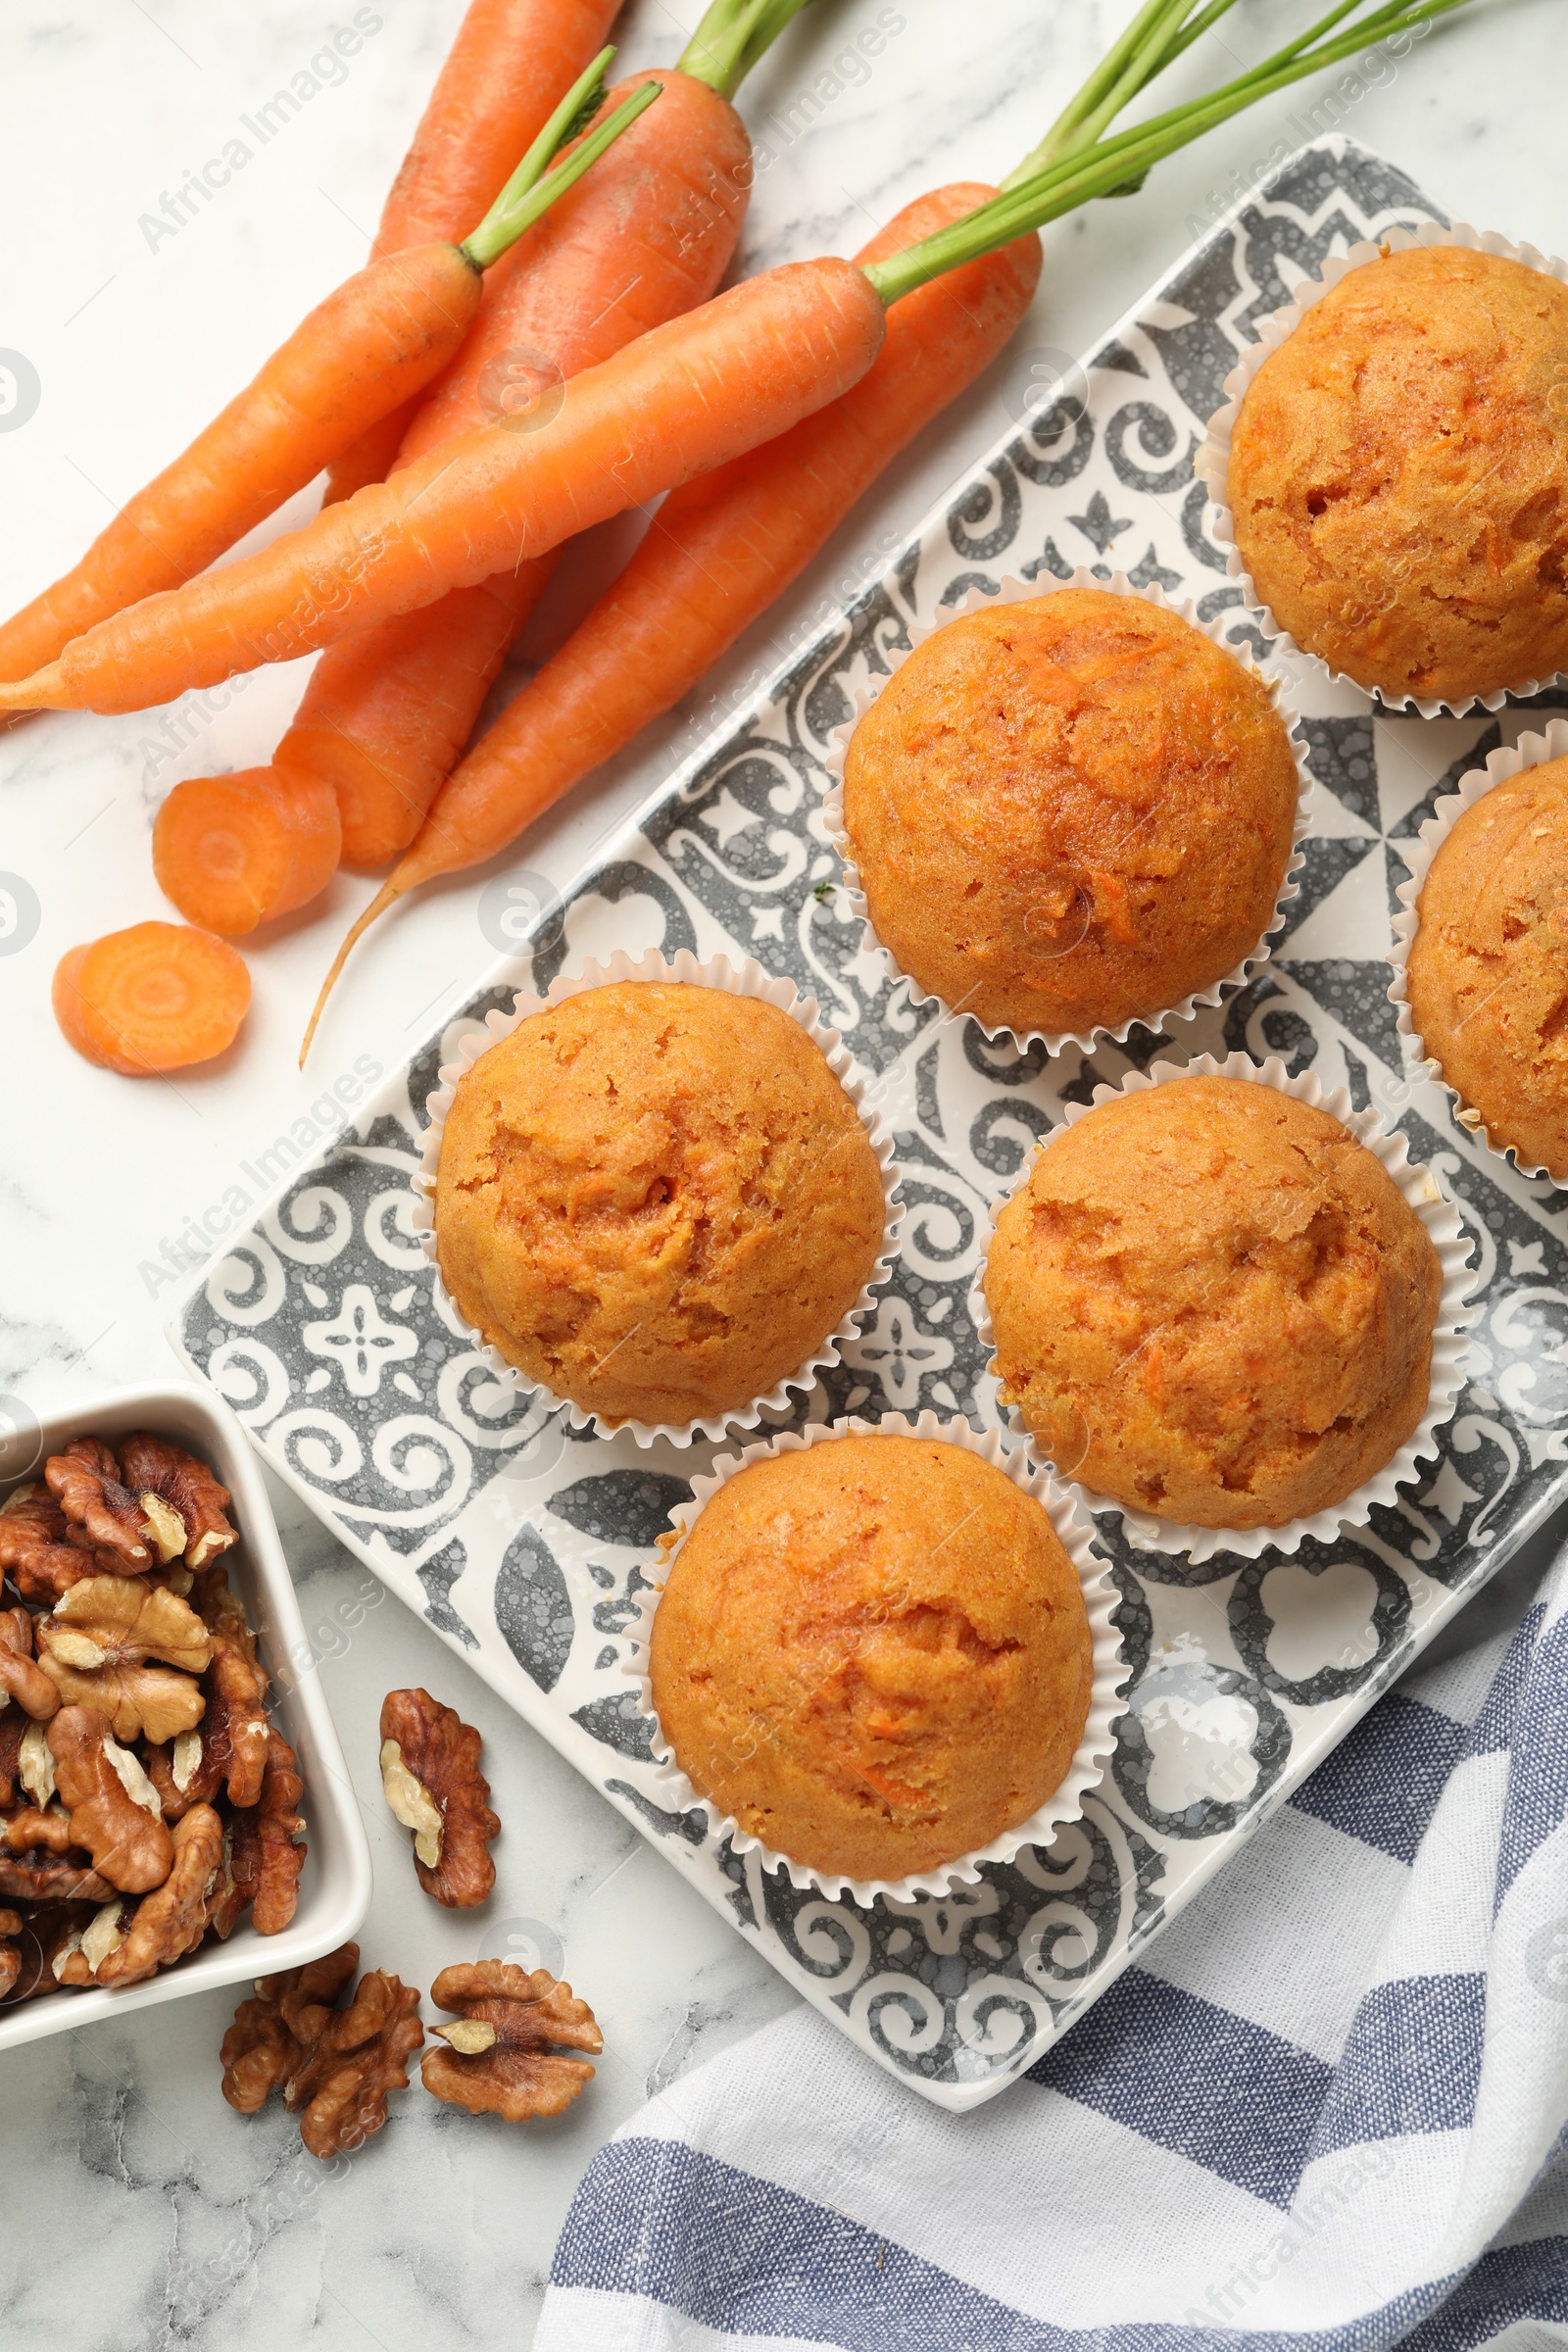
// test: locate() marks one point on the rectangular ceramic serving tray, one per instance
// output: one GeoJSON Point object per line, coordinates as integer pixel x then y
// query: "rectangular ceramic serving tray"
{"type": "Point", "coordinates": [335, 1885]}
{"type": "Point", "coordinates": [522, 1544]}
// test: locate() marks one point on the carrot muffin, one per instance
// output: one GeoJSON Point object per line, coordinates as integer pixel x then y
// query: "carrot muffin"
{"type": "Point", "coordinates": [1213, 1304]}
{"type": "Point", "coordinates": [1487, 972]}
{"type": "Point", "coordinates": [873, 1653]}
{"type": "Point", "coordinates": [1070, 813]}
{"type": "Point", "coordinates": [1398, 476]}
{"type": "Point", "coordinates": [655, 1200]}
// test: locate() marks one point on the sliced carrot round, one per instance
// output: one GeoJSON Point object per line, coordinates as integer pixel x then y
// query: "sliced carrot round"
{"type": "Point", "coordinates": [233, 852]}
{"type": "Point", "coordinates": [154, 998]}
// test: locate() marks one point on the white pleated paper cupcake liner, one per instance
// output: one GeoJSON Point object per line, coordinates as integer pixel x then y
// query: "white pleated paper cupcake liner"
{"type": "Point", "coordinates": [748, 979]}
{"type": "Point", "coordinates": [1013, 592]}
{"type": "Point", "coordinates": [1212, 463]}
{"type": "Point", "coordinates": [1531, 751]}
{"type": "Point", "coordinates": [1109, 1676]}
{"type": "Point", "coordinates": [1455, 1314]}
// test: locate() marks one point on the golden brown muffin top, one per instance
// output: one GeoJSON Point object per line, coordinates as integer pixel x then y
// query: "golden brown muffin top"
{"type": "Point", "coordinates": [873, 1653]}
{"type": "Point", "coordinates": [1488, 975]}
{"type": "Point", "coordinates": [1398, 476]}
{"type": "Point", "coordinates": [1213, 1304]}
{"type": "Point", "coordinates": [657, 1199]}
{"type": "Point", "coordinates": [1070, 812]}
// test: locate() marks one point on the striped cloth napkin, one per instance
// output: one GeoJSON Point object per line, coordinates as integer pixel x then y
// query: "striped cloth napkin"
{"type": "Point", "coordinates": [1329, 2109]}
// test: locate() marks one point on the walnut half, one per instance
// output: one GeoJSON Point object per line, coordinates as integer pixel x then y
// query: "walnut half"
{"type": "Point", "coordinates": [33, 1549]}
{"type": "Point", "coordinates": [20, 1678]}
{"type": "Point", "coordinates": [183, 1498]}
{"type": "Point", "coordinates": [172, 1921]}
{"type": "Point", "coordinates": [505, 2054]}
{"type": "Point", "coordinates": [430, 1774]}
{"type": "Point", "coordinates": [113, 1806]}
{"type": "Point", "coordinates": [335, 2066]}
{"type": "Point", "coordinates": [96, 1645]}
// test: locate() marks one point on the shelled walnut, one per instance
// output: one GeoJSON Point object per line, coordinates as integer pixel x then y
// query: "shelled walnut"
{"type": "Point", "coordinates": [159, 1470]}
{"type": "Point", "coordinates": [115, 1814]}
{"type": "Point", "coordinates": [145, 1800]}
{"type": "Point", "coordinates": [236, 1689]}
{"type": "Point", "coordinates": [505, 2054]}
{"type": "Point", "coordinates": [95, 1648]}
{"type": "Point", "coordinates": [431, 1775]}
{"type": "Point", "coordinates": [22, 1679]}
{"type": "Point", "coordinates": [334, 2066]}
{"type": "Point", "coordinates": [102, 1516]}
{"type": "Point", "coordinates": [34, 1549]}
{"type": "Point", "coordinates": [261, 1859]}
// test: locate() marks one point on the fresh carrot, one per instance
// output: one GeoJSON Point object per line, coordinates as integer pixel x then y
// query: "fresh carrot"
{"type": "Point", "coordinates": [155, 997]}
{"type": "Point", "coordinates": [509, 64]}
{"type": "Point", "coordinates": [378, 338]}
{"type": "Point", "coordinates": [381, 336]}
{"type": "Point", "coordinates": [386, 714]}
{"type": "Point", "coordinates": [719, 553]}
{"type": "Point", "coordinates": [232, 852]}
{"type": "Point", "coordinates": [689, 395]}
{"type": "Point", "coordinates": [648, 234]}
{"type": "Point", "coordinates": [680, 400]}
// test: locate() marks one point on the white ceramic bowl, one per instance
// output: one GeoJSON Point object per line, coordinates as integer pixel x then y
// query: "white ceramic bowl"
{"type": "Point", "coordinates": [335, 1885]}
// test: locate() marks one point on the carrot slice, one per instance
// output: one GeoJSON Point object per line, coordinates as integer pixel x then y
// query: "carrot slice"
{"type": "Point", "coordinates": [157, 997]}
{"type": "Point", "coordinates": [234, 851]}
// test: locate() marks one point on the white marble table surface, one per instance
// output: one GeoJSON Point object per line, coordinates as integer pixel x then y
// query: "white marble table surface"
{"type": "Point", "coordinates": [186, 2225]}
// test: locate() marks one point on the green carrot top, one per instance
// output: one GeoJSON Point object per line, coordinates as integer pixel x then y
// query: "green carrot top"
{"type": "Point", "coordinates": [1073, 165]}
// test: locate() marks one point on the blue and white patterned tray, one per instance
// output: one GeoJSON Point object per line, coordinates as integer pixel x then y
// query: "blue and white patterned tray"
{"type": "Point", "coordinates": [522, 1544]}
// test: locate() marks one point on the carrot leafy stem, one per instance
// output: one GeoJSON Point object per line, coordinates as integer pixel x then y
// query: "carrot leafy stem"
{"type": "Point", "coordinates": [535, 187]}
{"type": "Point", "coordinates": [1111, 167]}
{"type": "Point", "coordinates": [730, 38]}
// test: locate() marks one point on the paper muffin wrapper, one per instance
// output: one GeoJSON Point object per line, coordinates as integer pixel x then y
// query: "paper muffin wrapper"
{"type": "Point", "coordinates": [1110, 1672]}
{"type": "Point", "coordinates": [747, 979]}
{"type": "Point", "coordinates": [1455, 1314]}
{"type": "Point", "coordinates": [1015, 591]}
{"type": "Point", "coordinates": [1531, 751]}
{"type": "Point", "coordinates": [1212, 463]}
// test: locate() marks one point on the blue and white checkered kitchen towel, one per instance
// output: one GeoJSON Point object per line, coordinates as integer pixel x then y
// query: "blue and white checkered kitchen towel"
{"type": "Point", "coordinates": [1329, 2109]}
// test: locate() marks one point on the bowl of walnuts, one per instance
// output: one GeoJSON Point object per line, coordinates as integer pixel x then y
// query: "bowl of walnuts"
{"type": "Point", "coordinates": [175, 1810]}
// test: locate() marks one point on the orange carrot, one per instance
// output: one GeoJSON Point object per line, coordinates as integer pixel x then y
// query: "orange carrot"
{"type": "Point", "coordinates": [675, 188]}
{"type": "Point", "coordinates": [387, 712]}
{"type": "Point", "coordinates": [234, 851]}
{"type": "Point", "coordinates": [375, 340]}
{"type": "Point", "coordinates": [501, 83]}
{"type": "Point", "coordinates": [687, 397]}
{"type": "Point", "coordinates": [648, 233]}
{"type": "Point", "coordinates": [378, 338]}
{"type": "Point", "coordinates": [157, 997]}
{"type": "Point", "coordinates": [509, 64]}
{"type": "Point", "coordinates": [719, 553]}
